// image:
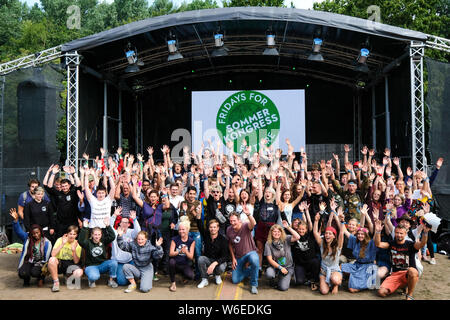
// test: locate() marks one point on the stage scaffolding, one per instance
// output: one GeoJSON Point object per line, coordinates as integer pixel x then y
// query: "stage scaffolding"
{"type": "Point", "coordinates": [71, 60]}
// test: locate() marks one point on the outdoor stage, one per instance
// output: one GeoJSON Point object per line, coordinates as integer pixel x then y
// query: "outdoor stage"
{"type": "Point", "coordinates": [375, 100]}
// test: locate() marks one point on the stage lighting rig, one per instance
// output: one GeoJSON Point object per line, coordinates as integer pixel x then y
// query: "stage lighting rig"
{"type": "Point", "coordinates": [132, 58]}
{"type": "Point", "coordinates": [172, 45]}
{"type": "Point", "coordinates": [361, 61]}
{"type": "Point", "coordinates": [270, 42]}
{"type": "Point", "coordinates": [219, 48]}
{"type": "Point", "coordinates": [317, 44]}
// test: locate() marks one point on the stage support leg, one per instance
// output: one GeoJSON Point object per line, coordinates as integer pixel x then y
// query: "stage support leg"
{"type": "Point", "coordinates": [72, 65]}
{"type": "Point", "coordinates": [374, 120]}
{"type": "Point", "coordinates": [387, 114]}
{"type": "Point", "coordinates": [120, 119]}
{"type": "Point", "coordinates": [105, 116]}
{"type": "Point", "coordinates": [419, 160]}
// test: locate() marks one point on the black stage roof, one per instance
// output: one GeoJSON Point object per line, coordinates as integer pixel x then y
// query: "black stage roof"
{"type": "Point", "coordinates": [244, 31]}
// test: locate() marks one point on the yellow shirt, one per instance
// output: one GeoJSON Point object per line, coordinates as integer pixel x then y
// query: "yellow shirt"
{"type": "Point", "coordinates": [66, 252]}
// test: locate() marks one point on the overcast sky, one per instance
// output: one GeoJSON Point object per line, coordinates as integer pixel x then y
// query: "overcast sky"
{"type": "Point", "coordinates": [299, 4]}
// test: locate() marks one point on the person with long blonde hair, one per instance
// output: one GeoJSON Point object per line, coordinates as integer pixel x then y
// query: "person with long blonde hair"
{"type": "Point", "coordinates": [278, 253]}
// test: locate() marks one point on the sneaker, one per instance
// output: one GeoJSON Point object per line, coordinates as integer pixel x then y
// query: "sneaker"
{"type": "Point", "coordinates": [432, 261]}
{"type": "Point", "coordinates": [130, 288]}
{"type": "Point", "coordinates": [218, 280]}
{"type": "Point", "coordinates": [91, 284]}
{"type": "Point", "coordinates": [155, 277]}
{"type": "Point", "coordinates": [203, 284]}
{"type": "Point", "coordinates": [112, 283]}
{"type": "Point", "coordinates": [254, 290]}
{"type": "Point", "coordinates": [55, 287]}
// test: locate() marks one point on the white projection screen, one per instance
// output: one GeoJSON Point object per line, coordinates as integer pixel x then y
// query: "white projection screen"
{"type": "Point", "coordinates": [227, 118]}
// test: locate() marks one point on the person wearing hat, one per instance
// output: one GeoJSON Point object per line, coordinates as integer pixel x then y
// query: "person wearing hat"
{"type": "Point", "coordinates": [353, 198]}
{"type": "Point", "coordinates": [403, 252]}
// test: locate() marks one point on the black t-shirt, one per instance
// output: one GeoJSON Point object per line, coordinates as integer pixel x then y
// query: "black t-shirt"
{"type": "Point", "coordinates": [348, 253]}
{"type": "Point", "coordinates": [267, 212]}
{"type": "Point", "coordinates": [402, 255]}
{"type": "Point", "coordinates": [304, 249]}
{"type": "Point", "coordinates": [40, 213]}
{"type": "Point", "coordinates": [67, 206]}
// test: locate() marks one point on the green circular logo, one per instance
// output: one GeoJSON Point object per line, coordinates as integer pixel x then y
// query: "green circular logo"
{"type": "Point", "coordinates": [249, 116]}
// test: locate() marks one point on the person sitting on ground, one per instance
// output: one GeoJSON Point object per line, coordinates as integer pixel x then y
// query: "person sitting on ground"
{"type": "Point", "coordinates": [403, 251]}
{"type": "Point", "coordinates": [305, 251]}
{"type": "Point", "coordinates": [65, 258]}
{"type": "Point", "coordinates": [96, 253]}
{"type": "Point", "coordinates": [182, 249]}
{"type": "Point", "coordinates": [143, 253]}
{"type": "Point", "coordinates": [244, 258]}
{"type": "Point", "coordinates": [129, 234]}
{"type": "Point", "coordinates": [35, 253]}
{"type": "Point", "coordinates": [278, 253]}
{"type": "Point", "coordinates": [330, 250]}
{"type": "Point", "coordinates": [215, 254]}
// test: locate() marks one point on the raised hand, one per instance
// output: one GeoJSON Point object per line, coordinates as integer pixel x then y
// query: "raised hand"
{"type": "Point", "coordinates": [13, 213]}
{"type": "Point", "coordinates": [439, 162]}
{"type": "Point", "coordinates": [387, 152]}
{"type": "Point", "coordinates": [364, 150]}
{"type": "Point", "coordinates": [159, 242]}
{"type": "Point", "coordinates": [132, 214]}
{"type": "Point", "coordinates": [322, 206]}
{"type": "Point", "coordinates": [184, 206]}
{"type": "Point", "coordinates": [64, 239]}
{"type": "Point", "coordinates": [336, 157]}
{"type": "Point", "coordinates": [317, 217]}
{"type": "Point", "coordinates": [409, 171]}
{"type": "Point", "coordinates": [74, 245]}
{"type": "Point", "coordinates": [80, 195]}
{"type": "Point", "coordinates": [378, 226]}
{"type": "Point", "coordinates": [396, 161]}
{"type": "Point", "coordinates": [118, 212]}
{"type": "Point", "coordinates": [150, 150]}
{"type": "Point", "coordinates": [285, 224]}
{"type": "Point", "coordinates": [85, 156]}
{"type": "Point", "coordinates": [347, 148]}
{"type": "Point", "coordinates": [333, 204]}
{"type": "Point", "coordinates": [371, 152]}
{"type": "Point", "coordinates": [55, 169]}
{"type": "Point", "coordinates": [102, 151]}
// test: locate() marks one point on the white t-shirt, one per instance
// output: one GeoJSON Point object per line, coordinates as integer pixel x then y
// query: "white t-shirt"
{"type": "Point", "coordinates": [99, 211]}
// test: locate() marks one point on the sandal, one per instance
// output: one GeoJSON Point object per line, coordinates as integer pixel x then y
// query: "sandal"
{"type": "Point", "coordinates": [408, 297]}
{"type": "Point", "coordinates": [173, 287]}
{"type": "Point", "coordinates": [314, 286]}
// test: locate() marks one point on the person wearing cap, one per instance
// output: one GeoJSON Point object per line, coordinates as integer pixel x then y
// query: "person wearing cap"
{"type": "Point", "coordinates": [403, 252]}
{"type": "Point", "coordinates": [353, 198]}
{"type": "Point", "coordinates": [330, 250]}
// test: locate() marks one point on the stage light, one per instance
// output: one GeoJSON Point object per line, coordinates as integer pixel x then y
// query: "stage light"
{"type": "Point", "coordinates": [173, 48]}
{"type": "Point", "coordinates": [362, 60]}
{"type": "Point", "coordinates": [293, 68]}
{"type": "Point", "coordinates": [131, 55]}
{"type": "Point", "coordinates": [231, 81]}
{"type": "Point", "coordinates": [220, 50]}
{"type": "Point", "coordinates": [270, 42]}
{"type": "Point", "coordinates": [315, 54]}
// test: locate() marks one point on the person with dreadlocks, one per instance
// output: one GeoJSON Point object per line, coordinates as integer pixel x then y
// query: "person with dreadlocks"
{"type": "Point", "coordinates": [330, 250]}
{"type": "Point", "coordinates": [36, 251]}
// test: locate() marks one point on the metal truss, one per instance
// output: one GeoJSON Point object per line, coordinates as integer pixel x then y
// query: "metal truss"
{"type": "Point", "coordinates": [438, 43]}
{"type": "Point", "coordinates": [72, 65]}
{"type": "Point", "coordinates": [31, 60]}
{"type": "Point", "coordinates": [419, 160]}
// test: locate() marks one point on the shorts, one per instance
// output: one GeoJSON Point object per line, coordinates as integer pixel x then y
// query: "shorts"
{"type": "Point", "coordinates": [67, 267]}
{"type": "Point", "coordinates": [395, 280]}
{"type": "Point", "coordinates": [262, 231]}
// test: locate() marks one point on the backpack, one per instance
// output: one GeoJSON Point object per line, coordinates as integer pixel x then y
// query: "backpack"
{"type": "Point", "coordinates": [4, 242]}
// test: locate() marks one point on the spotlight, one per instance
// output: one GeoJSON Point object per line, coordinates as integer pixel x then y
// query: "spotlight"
{"type": "Point", "coordinates": [315, 54]}
{"type": "Point", "coordinates": [219, 50]}
{"type": "Point", "coordinates": [270, 40]}
{"type": "Point", "coordinates": [131, 55]}
{"type": "Point", "coordinates": [361, 65]}
{"type": "Point", "coordinates": [173, 49]}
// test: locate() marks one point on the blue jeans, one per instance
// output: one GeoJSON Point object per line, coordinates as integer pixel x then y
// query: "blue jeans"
{"type": "Point", "coordinates": [93, 272]}
{"type": "Point", "coordinates": [198, 249]}
{"type": "Point", "coordinates": [240, 273]}
{"type": "Point", "coordinates": [121, 280]}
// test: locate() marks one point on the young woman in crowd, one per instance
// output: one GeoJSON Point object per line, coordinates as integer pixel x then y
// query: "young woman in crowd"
{"type": "Point", "coordinates": [35, 253]}
{"type": "Point", "coordinates": [278, 253]}
{"type": "Point", "coordinates": [168, 222]}
{"type": "Point", "coordinates": [181, 254]}
{"type": "Point", "coordinates": [40, 212]}
{"type": "Point", "coordinates": [286, 204]}
{"type": "Point", "coordinates": [305, 252]}
{"type": "Point", "coordinates": [128, 235]}
{"type": "Point", "coordinates": [96, 253]}
{"type": "Point", "coordinates": [330, 250]}
{"type": "Point", "coordinates": [66, 255]}
{"type": "Point", "coordinates": [143, 253]}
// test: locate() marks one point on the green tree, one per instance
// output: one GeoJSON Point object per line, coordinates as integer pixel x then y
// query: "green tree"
{"type": "Point", "coordinates": [198, 5]}
{"type": "Point", "coordinates": [427, 16]}
{"type": "Point", "coordinates": [253, 3]}
{"type": "Point", "coordinates": [131, 10]}
{"type": "Point", "coordinates": [161, 7]}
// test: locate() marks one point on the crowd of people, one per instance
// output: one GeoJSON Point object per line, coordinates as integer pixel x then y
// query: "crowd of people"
{"type": "Point", "coordinates": [262, 215]}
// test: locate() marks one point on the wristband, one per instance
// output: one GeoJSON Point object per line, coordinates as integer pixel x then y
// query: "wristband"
{"type": "Point", "coordinates": [378, 232]}
{"type": "Point", "coordinates": [280, 267]}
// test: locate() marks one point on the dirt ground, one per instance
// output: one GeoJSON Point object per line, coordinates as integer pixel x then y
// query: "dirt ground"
{"type": "Point", "coordinates": [433, 285]}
